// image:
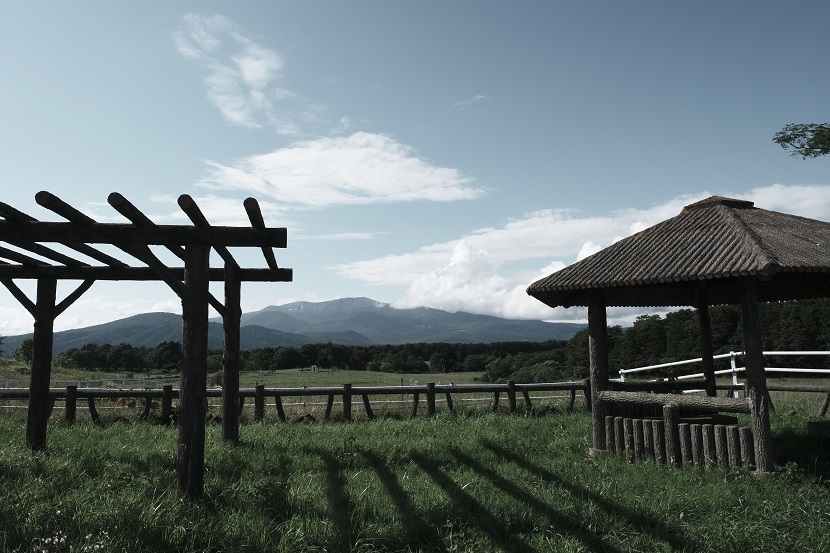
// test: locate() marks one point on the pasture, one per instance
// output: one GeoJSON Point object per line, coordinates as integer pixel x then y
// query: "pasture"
{"type": "Point", "coordinates": [453, 482]}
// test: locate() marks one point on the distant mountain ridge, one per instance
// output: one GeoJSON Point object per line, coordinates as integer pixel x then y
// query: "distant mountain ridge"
{"type": "Point", "coordinates": [348, 321]}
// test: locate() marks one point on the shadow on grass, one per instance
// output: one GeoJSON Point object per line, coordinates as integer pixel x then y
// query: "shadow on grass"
{"type": "Point", "coordinates": [341, 506]}
{"type": "Point", "coordinates": [418, 531]}
{"type": "Point", "coordinates": [466, 506]}
{"type": "Point", "coordinates": [613, 510]}
{"type": "Point", "coordinates": [810, 452]}
{"type": "Point", "coordinates": [563, 523]}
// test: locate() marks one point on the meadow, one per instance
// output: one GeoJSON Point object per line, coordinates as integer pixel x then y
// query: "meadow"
{"type": "Point", "coordinates": [469, 481]}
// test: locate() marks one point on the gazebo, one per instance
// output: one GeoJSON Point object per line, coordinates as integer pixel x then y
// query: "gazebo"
{"type": "Point", "coordinates": [716, 251]}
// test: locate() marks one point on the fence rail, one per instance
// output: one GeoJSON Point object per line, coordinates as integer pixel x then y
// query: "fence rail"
{"type": "Point", "coordinates": [71, 394]}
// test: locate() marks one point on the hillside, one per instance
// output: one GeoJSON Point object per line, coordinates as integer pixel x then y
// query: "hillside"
{"type": "Point", "coordinates": [348, 321]}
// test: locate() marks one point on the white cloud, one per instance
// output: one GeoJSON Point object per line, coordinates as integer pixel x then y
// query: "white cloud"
{"type": "Point", "coordinates": [477, 272]}
{"type": "Point", "coordinates": [241, 76]}
{"type": "Point", "coordinates": [362, 168]}
{"type": "Point", "coordinates": [478, 98]}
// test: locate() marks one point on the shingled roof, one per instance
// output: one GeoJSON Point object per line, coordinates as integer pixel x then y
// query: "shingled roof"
{"type": "Point", "coordinates": [709, 246]}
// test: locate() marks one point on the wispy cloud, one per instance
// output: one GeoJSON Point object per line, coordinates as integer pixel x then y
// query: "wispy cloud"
{"type": "Point", "coordinates": [487, 270]}
{"type": "Point", "coordinates": [242, 76]}
{"type": "Point", "coordinates": [362, 168]}
{"type": "Point", "coordinates": [478, 98]}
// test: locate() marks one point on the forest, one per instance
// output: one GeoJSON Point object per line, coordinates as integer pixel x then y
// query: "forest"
{"type": "Point", "coordinates": [651, 339]}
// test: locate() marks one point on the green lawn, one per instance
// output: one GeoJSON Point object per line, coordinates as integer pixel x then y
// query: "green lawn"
{"type": "Point", "coordinates": [490, 482]}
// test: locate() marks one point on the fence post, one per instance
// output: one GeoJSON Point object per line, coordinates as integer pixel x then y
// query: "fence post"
{"type": "Point", "coordinates": [670, 421]}
{"type": "Point", "coordinates": [511, 396]}
{"type": "Point", "coordinates": [259, 402]}
{"type": "Point", "coordinates": [71, 404]}
{"type": "Point", "coordinates": [280, 410]}
{"type": "Point", "coordinates": [368, 407]}
{"type": "Point", "coordinates": [430, 399]}
{"type": "Point", "coordinates": [732, 356]}
{"type": "Point", "coordinates": [825, 405]}
{"type": "Point", "coordinates": [415, 398]}
{"type": "Point", "coordinates": [347, 402]}
{"type": "Point", "coordinates": [329, 405]}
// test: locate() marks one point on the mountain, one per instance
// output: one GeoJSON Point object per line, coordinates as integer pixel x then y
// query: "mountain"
{"type": "Point", "coordinates": [348, 321]}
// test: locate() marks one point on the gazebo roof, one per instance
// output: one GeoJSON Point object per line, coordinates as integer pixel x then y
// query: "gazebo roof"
{"type": "Point", "coordinates": [709, 246]}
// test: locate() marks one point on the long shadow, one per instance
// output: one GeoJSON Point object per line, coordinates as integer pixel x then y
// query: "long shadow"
{"type": "Point", "coordinates": [418, 531]}
{"type": "Point", "coordinates": [671, 535]}
{"type": "Point", "coordinates": [340, 503]}
{"type": "Point", "coordinates": [466, 505]}
{"type": "Point", "coordinates": [562, 522]}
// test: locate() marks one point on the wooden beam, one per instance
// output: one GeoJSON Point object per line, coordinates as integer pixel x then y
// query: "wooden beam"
{"type": "Point", "coordinates": [20, 296]}
{"type": "Point", "coordinates": [8, 271]}
{"type": "Point", "coordinates": [196, 216]}
{"type": "Point", "coordinates": [71, 298]}
{"type": "Point", "coordinates": [160, 235]}
{"type": "Point", "coordinates": [255, 216]}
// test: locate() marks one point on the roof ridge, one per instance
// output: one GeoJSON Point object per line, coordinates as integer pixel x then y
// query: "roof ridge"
{"type": "Point", "coordinates": [770, 263]}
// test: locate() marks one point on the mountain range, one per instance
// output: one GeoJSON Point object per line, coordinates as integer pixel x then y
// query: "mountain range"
{"type": "Point", "coordinates": [348, 321]}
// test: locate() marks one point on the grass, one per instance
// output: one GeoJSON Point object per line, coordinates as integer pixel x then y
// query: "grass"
{"type": "Point", "coordinates": [483, 482]}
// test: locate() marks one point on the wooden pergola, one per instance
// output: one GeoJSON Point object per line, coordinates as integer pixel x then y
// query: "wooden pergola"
{"type": "Point", "coordinates": [192, 245]}
{"type": "Point", "coordinates": [716, 251]}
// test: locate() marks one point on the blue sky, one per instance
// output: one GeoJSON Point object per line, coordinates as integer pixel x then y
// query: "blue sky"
{"type": "Point", "coordinates": [420, 153]}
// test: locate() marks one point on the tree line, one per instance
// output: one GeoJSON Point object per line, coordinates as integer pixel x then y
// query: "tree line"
{"type": "Point", "coordinates": [650, 340]}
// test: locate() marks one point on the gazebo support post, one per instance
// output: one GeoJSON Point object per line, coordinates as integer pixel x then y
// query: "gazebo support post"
{"type": "Point", "coordinates": [756, 378]}
{"type": "Point", "coordinates": [598, 358]}
{"type": "Point", "coordinates": [39, 402]}
{"type": "Point", "coordinates": [190, 460]}
{"type": "Point", "coordinates": [707, 352]}
{"type": "Point", "coordinates": [230, 357]}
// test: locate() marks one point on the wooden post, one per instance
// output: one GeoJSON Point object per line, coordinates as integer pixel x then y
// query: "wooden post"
{"type": "Point", "coordinates": [710, 456]}
{"type": "Point", "coordinates": [648, 439]}
{"type": "Point", "coordinates": [259, 402]}
{"type": "Point", "coordinates": [511, 396]}
{"type": "Point", "coordinates": [573, 400]}
{"type": "Point", "coordinates": [672, 437]}
{"type": "Point", "coordinates": [71, 403]}
{"type": "Point", "coordinates": [39, 401]}
{"type": "Point", "coordinates": [598, 370]}
{"type": "Point", "coordinates": [190, 460]}
{"type": "Point", "coordinates": [347, 402]}
{"type": "Point", "coordinates": [166, 403]}
{"type": "Point", "coordinates": [430, 399]}
{"type": "Point", "coordinates": [733, 446]}
{"type": "Point", "coordinates": [93, 412]}
{"type": "Point", "coordinates": [720, 446]}
{"type": "Point", "coordinates": [610, 442]}
{"type": "Point", "coordinates": [638, 440]}
{"type": "Point", "coordinates": [526, 397]}
{"type": "Point", "coordinates": [230, 356]}
{"type": "Point", "coordinates": [368, 407]}
{"type": "Point", "coordinates": [659, 435]}
{"type": "Point", "coordinates": [415, 398]}
{"type": "Point", "coordinates": [685, 435]}
{"type": "Point", "coordinates": [329, 405]}
{"type": "Point", "coordinates": [619, 434]}
{"type": "Point", "coordinates": [450, 405]}
{"type": "Point", "coordinates": [628, 438]}
{"type": "Point", "coordinates": [281, 411]}
{"type": "Point", "coordinates": [756, 378]}
{"type": "Point", "coordinates": [697, 445]}
{"type": "Point", "coordinates": [707, 353]}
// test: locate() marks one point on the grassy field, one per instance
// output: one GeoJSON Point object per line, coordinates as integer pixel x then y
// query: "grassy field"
{"type": "Point", "coordinates": [488, 482]}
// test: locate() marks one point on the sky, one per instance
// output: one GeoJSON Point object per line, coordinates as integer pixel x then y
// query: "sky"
{"type": "Point", "coordinates": [431, 153]}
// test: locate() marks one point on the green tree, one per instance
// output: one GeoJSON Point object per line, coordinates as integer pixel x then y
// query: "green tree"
{"type": "Point", "coordinates": [805, 139]}
{"type": "Point", "coordinates": [23, 352]}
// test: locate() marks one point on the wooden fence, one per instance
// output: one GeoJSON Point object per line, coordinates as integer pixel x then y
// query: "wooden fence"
{"type": "Point", "coordinates": [430, 392]}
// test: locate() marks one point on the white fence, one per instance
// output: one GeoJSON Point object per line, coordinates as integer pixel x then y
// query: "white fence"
{"type": "Point", "coordinates": [735, 369]}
